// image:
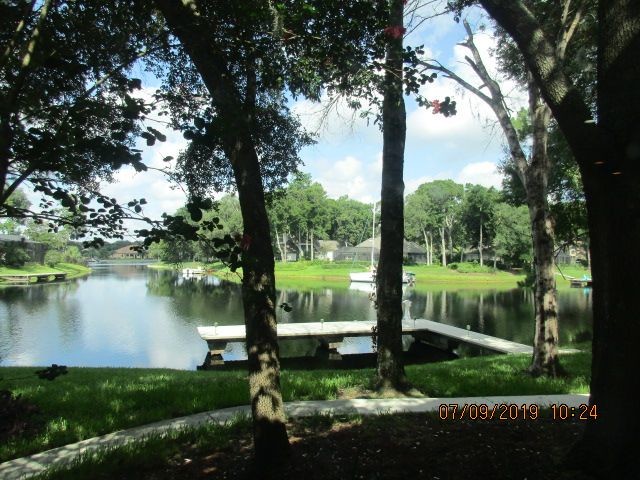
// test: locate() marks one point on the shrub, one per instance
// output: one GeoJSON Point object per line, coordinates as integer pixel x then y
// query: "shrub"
{"type": "Point", "coordinates": [13, 255]}
{"type": "Point", "coordinates": [468, 267]}
{"type": "Point", "coordinates": [53, 257]}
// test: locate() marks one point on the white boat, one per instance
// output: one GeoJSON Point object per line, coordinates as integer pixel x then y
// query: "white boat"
{"type": "Point", "coordinates": [367, 277]}
{"type": "Point", "coordinates": [193, 271]}
{"type": "Point", "coordinates": [370, 276]}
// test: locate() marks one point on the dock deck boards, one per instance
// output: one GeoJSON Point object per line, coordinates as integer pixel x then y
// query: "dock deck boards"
{"type": "Point", "coordinates": [40, 277]}
{"type": "Point", "coordinates": [236, 333]}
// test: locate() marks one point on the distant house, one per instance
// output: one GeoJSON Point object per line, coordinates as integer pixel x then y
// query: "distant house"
{"type": "Point", "coordinates": [127, 253]}
{"type": "Point", "coordinates": [362, 251]}
{"type": "Point", "coordinates": [35, 250]}
{"type": "Point", "coordinates": [571, 255]}
{"type": "Point", "coordinates": [326, 249]}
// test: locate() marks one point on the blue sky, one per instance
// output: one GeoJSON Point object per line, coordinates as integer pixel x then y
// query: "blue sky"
{"type": "Point", "coordinates": [347, 160]}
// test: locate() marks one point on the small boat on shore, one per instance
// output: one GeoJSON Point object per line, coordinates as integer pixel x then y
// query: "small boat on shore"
{"type": "Point", "coordinates": [193, 271]}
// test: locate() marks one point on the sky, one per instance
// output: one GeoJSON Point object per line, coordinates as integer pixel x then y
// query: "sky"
{"type": "Point", "coordinates": [347, 158]}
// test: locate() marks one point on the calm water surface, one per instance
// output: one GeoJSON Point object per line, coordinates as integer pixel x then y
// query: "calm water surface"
{"type": "Point", "coordinates": [133, 316]}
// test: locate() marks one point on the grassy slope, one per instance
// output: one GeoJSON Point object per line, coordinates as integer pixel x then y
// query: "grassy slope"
{"type": "Point", "coordinates": [94, 401]}
{"type": "Point", "coordinates": [72, 270]}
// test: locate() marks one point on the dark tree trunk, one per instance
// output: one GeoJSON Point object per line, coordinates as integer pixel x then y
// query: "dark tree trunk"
{"type": "Point", "coordinates": [258, 283]}
{"type": "Point", "coordinates": [608, 154]}
{"type": "Point", "coordinates": [258, 299]}
{"type": "Point", "coordinates": [389, 278]}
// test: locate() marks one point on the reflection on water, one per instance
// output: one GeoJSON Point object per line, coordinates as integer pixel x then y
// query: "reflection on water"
{"type": "Point", "coordinates": [135, 316]}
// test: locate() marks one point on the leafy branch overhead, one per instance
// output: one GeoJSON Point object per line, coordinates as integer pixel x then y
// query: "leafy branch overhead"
{"type": "Point", "coordinates": [71, 112]}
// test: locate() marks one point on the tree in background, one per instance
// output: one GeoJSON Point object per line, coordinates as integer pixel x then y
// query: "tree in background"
{"type": "Point", "coordinates": [512, 240]}
{"type": "Point", "coordinates": [419, 221]}
{"type": "Point", "coordinates": [350, 220]}
{"type": "Point", "coordinates": [16, 201]}
{"type": "Point", "coordinates": [301, 213]}
{"type": "Point", "coordinates": [478, 210]}
{"type": "Point", "coordinates": [435, 206]}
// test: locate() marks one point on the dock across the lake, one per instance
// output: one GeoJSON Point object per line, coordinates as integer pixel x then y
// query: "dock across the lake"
{"type": "Point", "coordinates": [331, 335]}
{"type": "Point", "coordinates": [39, 277]}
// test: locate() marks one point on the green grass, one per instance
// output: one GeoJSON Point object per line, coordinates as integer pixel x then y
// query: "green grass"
{"type": "Point", "coordinates": [568, 271]}
{"type": "Point", "coordinates": [72, 270]}
{"type": "Point", "coordinates": [94, 401]}
{"type": "Point", "coordinates": [143, 457]}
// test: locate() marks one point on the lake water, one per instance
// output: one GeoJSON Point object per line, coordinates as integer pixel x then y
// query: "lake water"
{"type": "Point", "coordinates": [134, 316]}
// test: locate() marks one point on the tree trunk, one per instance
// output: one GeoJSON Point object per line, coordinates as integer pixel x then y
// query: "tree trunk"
{"type": "Point", "coordinates": [480, 245]}
{"type": "Point", "coordinates": [282, 256]}
{"type": "Point", "coordinates": [284, 245]}
{"type": "Point", "coordinates": [587, 254]}
{"type": "Point", "coordinates": [389, 278]}
{"type": "Point", "coordinates": [608, 153]}
{"type": "Point", "coordinates": [312, 245]}
{"type": "Point", "coordinates": [430, 249]}
{"type": "Point", "coordinates": [443, 247]}
{"type": "Point", "coordinates": [426, 246]}
{"type": "Point", "coordinates": [258, 298]}
{"type": "Point", "coordinates": [545, 358]}
{"type": "Point", "coordinates": [258, 282]}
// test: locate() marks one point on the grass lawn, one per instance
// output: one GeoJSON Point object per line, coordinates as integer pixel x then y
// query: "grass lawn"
{"type": "Point", "coordinates": [72, 270]}
{"type": "Point", "coordinates": [92, 401]}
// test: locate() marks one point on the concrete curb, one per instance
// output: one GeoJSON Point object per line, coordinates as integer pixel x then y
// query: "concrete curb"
{"type": "Point", "coordinates": [32, 465]}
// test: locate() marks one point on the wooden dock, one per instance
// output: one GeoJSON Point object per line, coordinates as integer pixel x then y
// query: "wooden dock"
{"type": "Point", "coordinates": [581, 283]}
{"type": "Point", "coordinates": [331, 335]}
{"type": "Point", "coordinates": [39, 277]}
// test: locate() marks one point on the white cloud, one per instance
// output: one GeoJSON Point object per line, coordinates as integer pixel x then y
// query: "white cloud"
{"type": "Point", "coordinates": [351, 176]}
{"type": "Point", "coordinates": [412, 185]}
{"type": "Point", "coordinates": [482, 173]}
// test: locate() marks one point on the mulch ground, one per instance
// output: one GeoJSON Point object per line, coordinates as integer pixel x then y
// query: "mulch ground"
{"type": "Point", "coordinates": [410, 446]}
{"type": "Point", "coordinates": [16, 416]}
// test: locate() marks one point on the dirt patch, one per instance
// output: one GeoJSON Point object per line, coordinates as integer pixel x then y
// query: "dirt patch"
{"type": "Point", "coordinates": [17, 417]}
{"type": "Point", "coordinates": [408, 446]}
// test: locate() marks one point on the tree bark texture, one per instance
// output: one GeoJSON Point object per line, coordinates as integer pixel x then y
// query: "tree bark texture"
{"type": "Point", "coordinates": [389, 278]}
{"type": "Point", "coordinates": [258, 283]}
{"type": "Point", "coordinates": [545, 358]}
{"type": "Point", "coordinates": [608, 154]}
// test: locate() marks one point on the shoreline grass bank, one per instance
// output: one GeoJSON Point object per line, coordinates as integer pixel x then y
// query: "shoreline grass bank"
{"type": "Point", "coordinates": [71, 269]}
{"type": "Point", "coordinates": [427, 277]}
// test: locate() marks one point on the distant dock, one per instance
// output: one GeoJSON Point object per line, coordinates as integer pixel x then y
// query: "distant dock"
{"type": "Point", "coordinates": [331, 335]}
{"type": "Point", "coordinates": [25, 278]}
